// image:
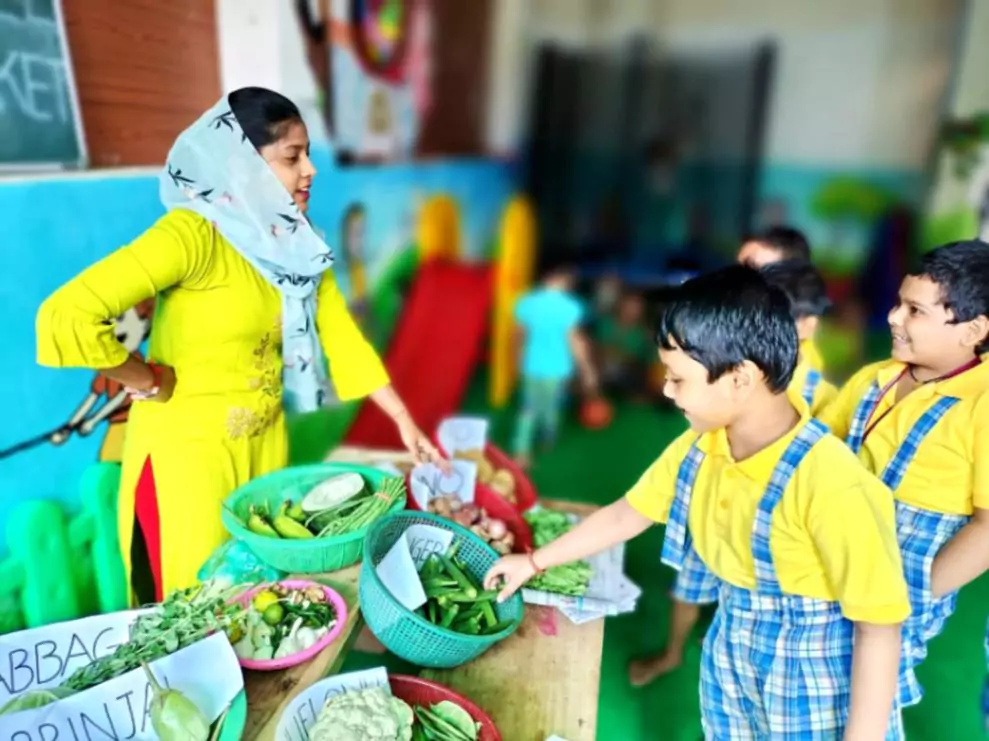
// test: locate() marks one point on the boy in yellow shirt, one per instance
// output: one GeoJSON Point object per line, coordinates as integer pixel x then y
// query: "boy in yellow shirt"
{"type": "Point", "coordinates": [800, 536]}
{"type": "Point", "coordinates": [920, 421]}
{"type": "Point", "coordinates": [805, 289]}
{"type": "Point", "coordinates": [781, 244]}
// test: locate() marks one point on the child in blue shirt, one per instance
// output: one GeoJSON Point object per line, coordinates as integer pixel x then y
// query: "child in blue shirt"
{"type": "Point", "coordinates": [553, 346]}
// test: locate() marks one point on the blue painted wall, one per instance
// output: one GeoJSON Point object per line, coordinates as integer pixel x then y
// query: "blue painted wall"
{"type": "Point", "coordinates": [54, 227]}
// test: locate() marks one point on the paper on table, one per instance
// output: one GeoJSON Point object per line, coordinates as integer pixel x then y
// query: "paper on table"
{"type": "Point", "coordinates": [428, 481]}
{"type": "Point", "coordinates": [398, 573]}
{"type": "Point", "coordinates": [609, 591]}
{"type": "Point", "coordinates": [206, 672]}
{"type": "Point", "coordinates": [457, 434]}
{"type": "Point", "coordinates": [45, 657]}
{"type": "Point", "coordinates": [301, 713]}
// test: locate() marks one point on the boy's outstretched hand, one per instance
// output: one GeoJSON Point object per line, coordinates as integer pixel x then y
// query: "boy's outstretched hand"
{"type": "Point", "coordinates": [510, 573]}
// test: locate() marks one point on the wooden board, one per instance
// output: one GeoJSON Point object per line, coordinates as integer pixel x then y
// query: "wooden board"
{"type": "Point", "coordinates": [542, 680]}
{"type": "Point", "coordinates": [268, 693]}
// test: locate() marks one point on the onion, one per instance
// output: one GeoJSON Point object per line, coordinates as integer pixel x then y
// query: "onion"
{"type": "Point", "coordinates": [463, 518]}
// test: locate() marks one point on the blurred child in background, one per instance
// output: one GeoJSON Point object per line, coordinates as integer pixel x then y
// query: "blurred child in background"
{"type": "Point", "coordinates": [625, 348]}
{"type": "Point", "coordinates": [804, 286]}
{"type": "Point", "coordinates": [553, 346]}
{"type": "Point", "coordinates": [775, 244]}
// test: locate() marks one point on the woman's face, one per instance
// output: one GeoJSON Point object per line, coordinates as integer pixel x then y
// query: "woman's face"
{"type": "Point", "coordinates": [288, 158]}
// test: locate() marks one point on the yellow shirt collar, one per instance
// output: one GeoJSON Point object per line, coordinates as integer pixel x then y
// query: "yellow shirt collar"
{"type": "Point", "coordinates": [967, 385]}
{"type": "Point", "coordinates": [760, 466]}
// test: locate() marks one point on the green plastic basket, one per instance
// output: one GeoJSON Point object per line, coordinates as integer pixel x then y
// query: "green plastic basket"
{"type": "Point", "coordinates": [309, 556]}
{"type": "Point", "coordinates": [236, 720]}
{"type": "Point", "coordinates": [402, 631]}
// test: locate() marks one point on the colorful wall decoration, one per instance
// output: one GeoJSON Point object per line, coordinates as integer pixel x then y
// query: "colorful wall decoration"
{"type": "Point", "coordinates": [373, 61]}
{"type": "Point", "coordinates": [368, 214]}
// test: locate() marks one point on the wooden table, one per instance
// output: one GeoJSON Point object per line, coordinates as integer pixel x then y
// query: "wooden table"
{"type": "Point", "coordinates": [544, 679]}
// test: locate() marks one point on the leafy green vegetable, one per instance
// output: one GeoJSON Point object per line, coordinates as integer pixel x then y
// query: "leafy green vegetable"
{"type": "Point", "coordinates": [185, 617]}
{"type": "Point", "coordinates": [571, 578]}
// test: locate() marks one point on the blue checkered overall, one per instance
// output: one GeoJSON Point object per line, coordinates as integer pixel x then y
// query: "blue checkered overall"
{"type": "Point", "coordinates": [695, 583]}
{"type": "Point", "coordinates": [775, 667]}
{"type": "Point", "coordinates": [921, 534]}
{"type": "Point", "coordinates": [811, 382]}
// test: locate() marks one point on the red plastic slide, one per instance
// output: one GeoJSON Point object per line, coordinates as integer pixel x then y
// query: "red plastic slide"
{"type": "Point", "coordinates": [435, 348]}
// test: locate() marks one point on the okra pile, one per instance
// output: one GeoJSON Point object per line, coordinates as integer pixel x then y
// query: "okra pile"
{"type": "Point", "coordinates": [454, 600]}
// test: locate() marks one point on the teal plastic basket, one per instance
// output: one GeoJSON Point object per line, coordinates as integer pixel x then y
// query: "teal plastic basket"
{"type": "Point", "coordinates": [236, 720]}
{"type": "Point", "coordinates": [308, 556]}
{"type": "Point", "coordinates": [402, 631]}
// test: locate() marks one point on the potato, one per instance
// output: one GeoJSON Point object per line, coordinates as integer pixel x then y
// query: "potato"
{"type": "Point", "coordinates": [485, 471]}
{"type": "Point", "coordinates": [475, 454]}
{"type": "Point", "coordinates": [504, 478]}
{"type": "Point", "coordinates": [505, 492]}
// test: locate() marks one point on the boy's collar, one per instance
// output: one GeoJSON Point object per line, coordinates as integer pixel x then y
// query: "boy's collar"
{"type": "Point", "coordinates": [966, 385]}
{"type": "Point", "coordinates": [761, 465]}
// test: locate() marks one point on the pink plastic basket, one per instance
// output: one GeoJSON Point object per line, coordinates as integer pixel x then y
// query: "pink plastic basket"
{"type": "Point", "coordinates": [339, 607]}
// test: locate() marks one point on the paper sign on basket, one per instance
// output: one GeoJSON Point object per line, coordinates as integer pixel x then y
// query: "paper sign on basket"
{"type": "Point", "coordinates": [206, 672]}
{"type": "Point", "coordinates": [399, 569]}
{"type": "Point", "coordinates": [429, 482]}
{"type": "Point", "coordinates": [457, 434]}
{"type": "Point", "coordinates": [398, 573]}
{"type": "Point", "coordinates": [45, 657]}
{"type": "Point", "coordinates": [425, 540]}
{"type": "Point", "coordinates": [301, 713]}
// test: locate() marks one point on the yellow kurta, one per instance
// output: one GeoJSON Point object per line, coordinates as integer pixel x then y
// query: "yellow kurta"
{"type": "Point", "coordinates": [218, 323]}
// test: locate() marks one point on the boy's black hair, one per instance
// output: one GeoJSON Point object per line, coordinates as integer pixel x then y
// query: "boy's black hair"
{"type": "Point", "coordinates": [728, 316]}
{"type": "Point", "coordinates": [558, 270]}
{"type": "Point", "coordinates": [803, 285]}
{"type": "Point", "coordinates": [791, 243]}
{"type": "Point", "coordinates": [961, 270]}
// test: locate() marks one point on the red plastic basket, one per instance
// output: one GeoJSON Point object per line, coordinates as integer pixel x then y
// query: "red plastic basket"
{"type": "Point", "coordinates": [496, 506]}
{"type": "Point", "coordinates": [417, 691]}
{"type": "Point", "coordinates": [525, 492]}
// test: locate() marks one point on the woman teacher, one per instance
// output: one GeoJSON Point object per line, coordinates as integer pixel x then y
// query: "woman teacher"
{"type": "Point", "coordinates": [248, 314]}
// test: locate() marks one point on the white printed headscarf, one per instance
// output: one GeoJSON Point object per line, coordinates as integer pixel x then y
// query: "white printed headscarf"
{"type": "Point", "coordinates": [215, 171]}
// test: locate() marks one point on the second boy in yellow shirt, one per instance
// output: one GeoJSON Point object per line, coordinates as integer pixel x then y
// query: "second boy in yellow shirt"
{"type": "Point", "coordinates": [800, 536]}
{"type": "Point", "coordinates": [921, 422]}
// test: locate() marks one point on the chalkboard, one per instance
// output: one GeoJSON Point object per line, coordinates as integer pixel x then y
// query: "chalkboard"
{"type": "Point", "coordinates": [39, 113]}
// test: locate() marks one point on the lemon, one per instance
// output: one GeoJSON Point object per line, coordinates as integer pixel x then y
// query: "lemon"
{"type": "Point", "coordinates": [263, 600]}
{"type": "Point", "coordinates": [274, 614]}
{"type": "Point", "coordinates": [235, 633]}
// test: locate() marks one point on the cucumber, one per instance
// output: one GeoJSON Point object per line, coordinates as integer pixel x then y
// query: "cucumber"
{"type": "Point", "coordinates": [332, 492]}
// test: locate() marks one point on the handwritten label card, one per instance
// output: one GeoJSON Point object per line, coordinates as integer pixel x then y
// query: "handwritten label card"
{"type": "Point", "coordinates": [301, 713]}
{"type": "Point", "coordinates": [45, 657]}
{"type": "Point", "coordinates": [399, 569]}
{"type": "Point", "coordinates": [206, 672]}
{"type": "Point", "coordinates": [425, 540]}
{"type": "Point", "coordinates": [428, 482]}
{"type": "Point", "coordinates": [400, 576]}
{"type": "Point", "coordinates": [457, 434]}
